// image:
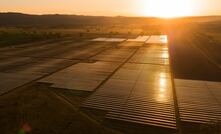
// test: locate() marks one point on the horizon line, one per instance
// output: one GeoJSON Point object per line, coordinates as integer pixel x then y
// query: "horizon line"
{"type": "Point", "coordinates": [128, 16]}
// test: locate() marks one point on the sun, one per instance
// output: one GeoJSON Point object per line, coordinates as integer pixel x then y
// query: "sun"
{"type": "Point", "coordinates": [166, 8]}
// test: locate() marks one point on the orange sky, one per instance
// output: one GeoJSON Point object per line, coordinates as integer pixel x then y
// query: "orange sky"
{"type": "Point", "coordinates": [162, 8]}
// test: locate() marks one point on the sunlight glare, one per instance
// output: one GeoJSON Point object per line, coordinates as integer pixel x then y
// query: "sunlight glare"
{"type": "Point", "coordinates": [164, 39]}
{"type": "Point", "coordinates": [166, 8]}
{"type": "Point", "coordinates": [165, 55]}
{"type": "Point", "coordinates": [162, 87]}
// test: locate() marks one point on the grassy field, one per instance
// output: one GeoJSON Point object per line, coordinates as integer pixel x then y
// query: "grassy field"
{"type": "Point", "coordinates": [17, 36]}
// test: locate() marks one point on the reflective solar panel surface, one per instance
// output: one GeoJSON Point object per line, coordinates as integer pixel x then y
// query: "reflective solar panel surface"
{"type": "Point", "coordinates": [198, 101]}
{"type": "Point", "coordinates": [109, 39]}
{"type": "Point", "coordinates": [162, 39]}
{"type": "Point", "coordinates": [82, 76]}
{"type": "Point", "coordinates": [140, 39]}
{"type": "Point", "coordinates": [140, 91]}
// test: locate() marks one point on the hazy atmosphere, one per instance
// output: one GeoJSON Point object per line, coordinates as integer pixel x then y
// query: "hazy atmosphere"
{"type": "Point", "coordinates": [168, 8]}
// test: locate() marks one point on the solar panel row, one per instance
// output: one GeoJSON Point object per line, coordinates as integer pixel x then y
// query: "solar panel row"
{"type": "Point", "coordinates": [140, 39]}
{"type": "Point", "coordinates": [199, 101]}
{"type": "Point", "coordinates": [17, 71]}
{"type": "Point", "coordinates": [82, 76]}
{"type": "Point", "coordinates": [109, 39]}
{"type": "Point", "coordinates": [137, 92]}
{"type": "Point", "coordinates": [153, 39]}
{"type": "Point", "coordinates": [114, 55]}
{"type": "Point", "coordinates": [140, 91]}
{"type": "Point", "coordinates": [24, 63]}
{"type": "Point", "coordinates": [151, 54]}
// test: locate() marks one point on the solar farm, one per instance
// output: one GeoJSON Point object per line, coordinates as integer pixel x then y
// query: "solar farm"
{"type": "Point", "coordinates": [129, 80]}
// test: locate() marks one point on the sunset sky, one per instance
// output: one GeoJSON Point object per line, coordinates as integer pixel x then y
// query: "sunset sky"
{"type": "Point", "coordinates": [158, 8]}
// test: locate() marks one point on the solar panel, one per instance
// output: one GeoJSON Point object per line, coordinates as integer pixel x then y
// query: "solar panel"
{"type": "Point", "coordinates": [99, 39]}
{"type": "Point", "coordinates": [152, 54]}
{"type": "Point", "coordinates": [82, 76]}
{"type": "Point", "coordinates": [131, 44]}
{"type": "Point", "coordinates": [109, 39]}
{"type": "Point", "coordinates": [41, 66]}
{"type": "Point", "coordinates": [158, 39]}
{"type": "Point", "coordinates": [137, 93]}
{"type": "Point", "coordinates": [198, 101]}
{"type": "Point", "coordinates": [10, 81]}
{"type": "Point", "coordinates": [115, 54]}
{"type": "Point", "coordinates": [139, 39]}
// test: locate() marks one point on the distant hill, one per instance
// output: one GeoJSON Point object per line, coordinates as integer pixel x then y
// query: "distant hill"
{"type": "Point", "coordinates": [25, 20]}
{"type": "Point", "coordinates": [55, 20]}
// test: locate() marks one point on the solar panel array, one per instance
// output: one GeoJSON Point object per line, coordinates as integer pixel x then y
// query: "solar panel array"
{"type": "Point", "coordinates": [198, 101]}
{"type": "Point", "coordinates": [114, 54]}
{"type": "Point", "coordinates": [109, 39]}
{"type": "Point", "coordinates": [25, 63]}
{"type": "Point", "coordinates": [17, 71]}
{"type": "Point", "coordinates": [157, 39]}
{"type": "Point", "coordinates": [152, 54]}
{"type": "Point", "coordinates": [137, 92]}
{"type": "Point", "coordinates": [82, 76]}
{"type": "Point", "coordinates": [133, 86]}
{"type": "Point", "coordinates": [133, 79]}
{"type": "Point", "coordinates": [130, 44]}
{"type": "Point", "coordinates": [10, 81]}
{"type": "Point", "coordinates": [140, 39]}
{"type": "Point", "coordinates": [59, 50]}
